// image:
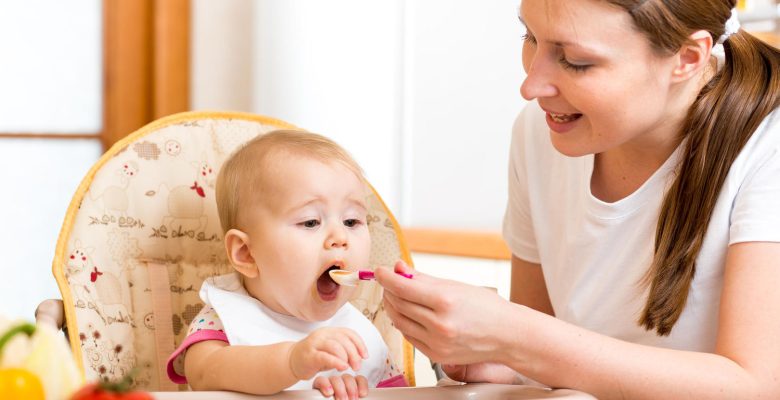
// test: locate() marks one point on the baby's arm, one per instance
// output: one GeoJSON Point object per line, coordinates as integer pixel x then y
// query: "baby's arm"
{"type": "Point", "coordinates": [268, 369]}
{"type": "Point", "coordinates": [216, 365]}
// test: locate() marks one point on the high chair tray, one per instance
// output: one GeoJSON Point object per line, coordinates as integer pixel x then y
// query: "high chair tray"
{"type": "Point", "coordinates": [472, 391]}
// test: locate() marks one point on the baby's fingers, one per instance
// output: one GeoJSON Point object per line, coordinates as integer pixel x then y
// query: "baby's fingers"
{"type": "Point", "coordinates": [349, 387]}
{"type": "Point", "coordinates": [357, 341]}
{"type": "Point", "coordinates": [349, 346]}
{"type": "Point", "coordinates": [339, 388]}
{"type": "Point", "coordinates": [362, 384]}
{"type": "Point", "coordinates": [327, 361]}
{"type": "Point", "coordinates": [322, 384]}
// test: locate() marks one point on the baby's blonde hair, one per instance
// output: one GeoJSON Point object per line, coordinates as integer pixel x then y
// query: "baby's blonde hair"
{"type": "Point", "coordinates": [246, 164]}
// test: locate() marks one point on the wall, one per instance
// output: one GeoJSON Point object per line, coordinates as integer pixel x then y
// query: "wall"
{"type": "Point", "coordinates": [51, 81]}
{"type": "Point", "coordinates": [422, 93]}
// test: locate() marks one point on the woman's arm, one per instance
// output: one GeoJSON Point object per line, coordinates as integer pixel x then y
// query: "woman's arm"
{"type": "Point", "coordinates": [528, 287]}
{"type": "Point", "coordinates": [440, 317]}
{"type": "Point", "coordinates": [215, 365]}
{"type": "Point", "coordinates": [746, 363]}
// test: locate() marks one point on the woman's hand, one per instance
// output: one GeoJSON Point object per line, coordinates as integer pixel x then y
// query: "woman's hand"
{"type": "Point", "coordinates": [342, 387]}
{"type": "Point", "coordinates": [482, 372]}
{"type": "Point", "coordinates": [449, 321]}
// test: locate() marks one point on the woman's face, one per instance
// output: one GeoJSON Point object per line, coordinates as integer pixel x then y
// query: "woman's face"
{"type": "Point", "coordinates": [596, 77]}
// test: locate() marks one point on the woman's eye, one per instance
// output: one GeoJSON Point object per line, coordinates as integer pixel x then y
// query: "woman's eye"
{"type": "Point", "coordinates": [312, 223]}
{"type": "Point", "coordinates": [528, 38]}
{"type": "Point", "coordinates": [351, 223]}
{"type": "Point", "coordinates": [574, 67]}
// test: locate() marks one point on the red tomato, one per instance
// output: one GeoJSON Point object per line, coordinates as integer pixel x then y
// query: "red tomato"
{"type": "Point", "coordinates": [95, 391]}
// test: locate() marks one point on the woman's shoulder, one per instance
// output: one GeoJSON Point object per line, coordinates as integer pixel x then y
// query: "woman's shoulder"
{"type": "Point", "coordinates": [764, 143]}
{"type": "Point", "coordinates": [769, 129]}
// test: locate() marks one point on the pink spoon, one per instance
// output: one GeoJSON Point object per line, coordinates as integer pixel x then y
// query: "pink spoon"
{"type": "Point", "coordinates": [351, 278]}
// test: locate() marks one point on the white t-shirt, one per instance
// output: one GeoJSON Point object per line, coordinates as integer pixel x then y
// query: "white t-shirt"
{"type": "Point", "coordinates": [594, 254]}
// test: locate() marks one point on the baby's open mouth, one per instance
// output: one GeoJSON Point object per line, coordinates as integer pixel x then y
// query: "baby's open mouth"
{"type": "Point", "coordinates": [327, 288]}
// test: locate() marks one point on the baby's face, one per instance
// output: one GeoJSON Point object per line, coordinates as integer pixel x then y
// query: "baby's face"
{"type": "Point", "coordinates": [310, 217]}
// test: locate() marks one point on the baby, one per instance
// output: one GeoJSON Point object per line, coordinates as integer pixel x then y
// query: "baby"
{"type": "Point", "coordinates": [292, 206]}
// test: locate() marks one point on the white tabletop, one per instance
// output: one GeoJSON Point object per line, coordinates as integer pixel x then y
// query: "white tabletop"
{"type": "Point", "coordinates": [472, 391]}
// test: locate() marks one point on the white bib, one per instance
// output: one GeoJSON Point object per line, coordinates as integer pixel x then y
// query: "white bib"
{"type": "Point", "coordinates": [247, 321]}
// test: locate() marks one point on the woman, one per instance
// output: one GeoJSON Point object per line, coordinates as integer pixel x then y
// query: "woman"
{"type": "Point", "coordinates": [643, 213]}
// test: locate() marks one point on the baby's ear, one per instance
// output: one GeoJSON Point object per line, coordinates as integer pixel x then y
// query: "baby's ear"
{"type": "Point", "coordinates": [237, 246]}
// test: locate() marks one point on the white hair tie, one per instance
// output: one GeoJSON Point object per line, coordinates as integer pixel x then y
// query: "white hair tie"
{"type": "Point", "coordinates": [732, 27]}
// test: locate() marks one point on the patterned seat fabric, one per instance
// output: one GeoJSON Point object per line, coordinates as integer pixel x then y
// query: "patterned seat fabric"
{"type": "Point", "coordinates": [145, 217]}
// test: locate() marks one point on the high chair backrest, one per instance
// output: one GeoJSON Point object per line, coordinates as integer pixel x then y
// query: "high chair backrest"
{"type": "Point", "coordinates": [142, 233]}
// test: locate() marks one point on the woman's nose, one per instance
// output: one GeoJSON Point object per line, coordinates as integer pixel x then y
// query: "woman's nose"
{"type": "Point", "coordinates": [537, 82]}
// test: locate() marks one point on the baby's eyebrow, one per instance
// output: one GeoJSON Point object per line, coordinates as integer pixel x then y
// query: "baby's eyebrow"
{"type": "Point", "coordinates": [298, 206]}
{"type": "Point", "coordinates": [359, 203]}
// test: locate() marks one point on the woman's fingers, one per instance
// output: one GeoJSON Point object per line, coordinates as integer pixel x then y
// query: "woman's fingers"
{"type": "Point", "coordinates": [405, 324]}
{"type": "Point", "coordinates": [455, 372]}
{"type": "Point", "coordinates": [412, 310]}
{"type": "Point", "coordinates": [419, 345]}
{"type": "Point", "coordinates": [401, 267]}
{"type": "Point", "coordinates": [416, 289]}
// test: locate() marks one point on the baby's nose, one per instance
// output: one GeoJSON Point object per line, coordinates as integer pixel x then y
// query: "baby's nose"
{"type": "Point", "coordinates": [336, 239]}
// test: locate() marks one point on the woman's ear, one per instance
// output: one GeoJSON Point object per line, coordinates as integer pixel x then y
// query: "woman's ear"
{"type": "Point", "coordinates": [693, 57]}
{"type": "Point", "coordinates": [237, 246]}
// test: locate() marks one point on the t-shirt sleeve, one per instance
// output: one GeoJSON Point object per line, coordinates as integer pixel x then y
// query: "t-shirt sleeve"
{"type": "Point", "coordinates": [518, 229]}
{"type": "Point", "coordinates": [205, 326]}
{"type": "Point", "coordinates": [755, 216]}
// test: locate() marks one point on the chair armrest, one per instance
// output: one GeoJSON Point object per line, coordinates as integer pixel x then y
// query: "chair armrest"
{"type": "Point", "coordinates": [51, 312]}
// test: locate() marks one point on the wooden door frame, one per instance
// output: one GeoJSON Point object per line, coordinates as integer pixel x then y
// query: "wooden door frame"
{"type": "Point", "coordinates": [146, 67]}
{"type": "Point", "coordinates": [146, 63]}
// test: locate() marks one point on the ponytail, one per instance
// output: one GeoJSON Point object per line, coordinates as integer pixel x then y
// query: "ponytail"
{"type": "Point", "coordinates": [719, 122]}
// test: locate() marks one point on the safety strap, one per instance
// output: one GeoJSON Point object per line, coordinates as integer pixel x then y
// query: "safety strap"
{"type": "Point", "coordinates": [159, 283]}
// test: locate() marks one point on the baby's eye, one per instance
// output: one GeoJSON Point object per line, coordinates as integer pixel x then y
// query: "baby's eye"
{"type": "Point", "coordinates": [312, 223]}
{"type": "Point", "coordinates": [352, 222]}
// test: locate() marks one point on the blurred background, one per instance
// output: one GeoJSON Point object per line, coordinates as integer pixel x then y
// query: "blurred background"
{"type": "Point", "coordinates": [423, 93]}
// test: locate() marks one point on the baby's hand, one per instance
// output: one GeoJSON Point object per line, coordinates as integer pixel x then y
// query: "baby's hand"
{"type": "Point", "coordinates": [325, 349]}
{"type": "Point", "coordinates": [342, 387]}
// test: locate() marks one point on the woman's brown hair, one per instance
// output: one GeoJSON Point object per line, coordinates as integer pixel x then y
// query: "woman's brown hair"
{"type": "Point", "coordinates": [720, 121]}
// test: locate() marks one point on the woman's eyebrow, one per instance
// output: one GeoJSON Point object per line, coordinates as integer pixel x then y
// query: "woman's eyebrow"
{"type": "Point", "coordinates": [562, 43]}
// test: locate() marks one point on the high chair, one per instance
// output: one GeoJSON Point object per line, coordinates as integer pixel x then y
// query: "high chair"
{"type": "Point", "coordinates": [142, 233]}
